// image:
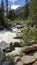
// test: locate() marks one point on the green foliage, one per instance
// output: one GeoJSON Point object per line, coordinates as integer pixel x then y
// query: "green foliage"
{"type": "Point", "coordinates": [17, 20]}
{"type": "Point", "coordinates": [8, 21]}
{"type": "Point", "coordinates": [2, 4]}
{"type": "Point", "coordinates": [33, 12]}
{"type": "Point", "coordinates": [6, 6]}
{"type": "Point", "coordinates": [23, 13]}
{"type": "Point", "coordinates": [22, 54]}
{"type": "Point", "coordinates": [1, 17]}
{"type": "Point", "coordinates": [29, 34]}
{"type": "Point", "coordinates": [26, 10]}
{"type": "Point", "coordinates": [11, 15]}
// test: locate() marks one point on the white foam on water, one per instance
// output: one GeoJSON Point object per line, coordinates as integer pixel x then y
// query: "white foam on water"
{"type": "Point", "coordinates": [8, 36]}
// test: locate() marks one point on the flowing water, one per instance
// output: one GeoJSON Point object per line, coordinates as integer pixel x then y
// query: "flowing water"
{"type": "Point", "coordinates": [8, 36]}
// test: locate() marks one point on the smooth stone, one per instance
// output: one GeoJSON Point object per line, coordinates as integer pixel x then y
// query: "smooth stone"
{"type": "Point", "coordinates": [29, 48]}
{"type": "Point", "coordinates": [19, 63]}
{"type": "Point", "coordinates": [35, 54]}
{"type": "Point", "coordinates": [28, 59]}
{"type": "Point", "coordinates": [17, 59]}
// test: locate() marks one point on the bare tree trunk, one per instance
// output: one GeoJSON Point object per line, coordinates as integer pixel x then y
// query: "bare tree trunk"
{"type": "Point", "coordinates": [2, 4]}
{"type": "Point", "coordinates": [6, 6]}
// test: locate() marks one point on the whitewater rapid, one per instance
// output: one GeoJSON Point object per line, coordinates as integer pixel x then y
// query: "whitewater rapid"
{"type": "Point", "coordinates": [8, 37]}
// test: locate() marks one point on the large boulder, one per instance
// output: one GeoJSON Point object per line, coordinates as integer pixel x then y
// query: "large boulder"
{"type": "Point", "coordinates": [26, 48]}
{"type": "Point", "coordinates": [35, 54]}
{"type": "Point", "coordinates": [28, 59]}
{"type": "Point", "coordinates": [29, 48]}
{"type": "Point", "coordinates": [35, 63]}
{"type": "Point", "coordinates": [3, 45]}
{"type": "Point", "coordinates": [16, 44]}
{"type": "Point", "coordinates": [12, 46]}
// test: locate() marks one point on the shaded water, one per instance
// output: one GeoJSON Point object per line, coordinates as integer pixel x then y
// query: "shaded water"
{"type": "Point", "coordinates": [5, 63]}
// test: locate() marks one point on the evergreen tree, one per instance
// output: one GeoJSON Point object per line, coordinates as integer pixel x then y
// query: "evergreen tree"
{"type": "Point", "coordinates": [33, 11]}
{"type": "Point", "coordinates": [6, 6]}
{"type": "Point", "coordinates": [11, 15]}
{"type": "Point", "coordinates": [2, 4]}
{"type": "Point", "coordinates": [1, 17]}
{"type": "Point", "coordinates": [26, 10]}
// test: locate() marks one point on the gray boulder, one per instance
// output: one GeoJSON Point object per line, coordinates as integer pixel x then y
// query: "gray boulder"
{"type": "Point", "coordinates": [3, 45]}
{"type": "Point", "coordinates": [19, 63]}
{"type": "Point", "coordinates": [16, 44]}
{"type": "Point", "coordinates": [28, 59]}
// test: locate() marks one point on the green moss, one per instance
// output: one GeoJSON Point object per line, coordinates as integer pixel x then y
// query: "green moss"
{"type": "Point", "coordinates": [22, 54]}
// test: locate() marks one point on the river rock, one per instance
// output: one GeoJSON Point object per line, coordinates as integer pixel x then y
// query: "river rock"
{"type": "Point", "coordinates": [29, 48]}
{"type": "Point", "coordinates": [35, 54]}
{"type": "Point", "coordinates": [19, 63]}
{"type": "Point", "coordinates": [17, 59]}
{"type": "Point", "coordinates": [35, 63]}
{"type": "Point", "coordinates": [28, 59]}
{"type": "Point", "coordinates": [16, 44]}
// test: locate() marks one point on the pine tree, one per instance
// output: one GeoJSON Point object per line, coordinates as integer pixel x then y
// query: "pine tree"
{"type": "Point", "coordinates": [1, 17]}
{"type": "Point", "coordinates": [2, 4]}
{"type": "Point", "coordinates": [11, 15]}
{"type": "Point", "coordinates": [33, 11]}
{"type": "Point", "coordinates": [26, 9]}
{"type": "Point", "coordinates": [6, 6]}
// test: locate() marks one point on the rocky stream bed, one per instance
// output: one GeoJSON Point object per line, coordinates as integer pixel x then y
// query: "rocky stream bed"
{"type": "Point", "coordinates": [11, 50]}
